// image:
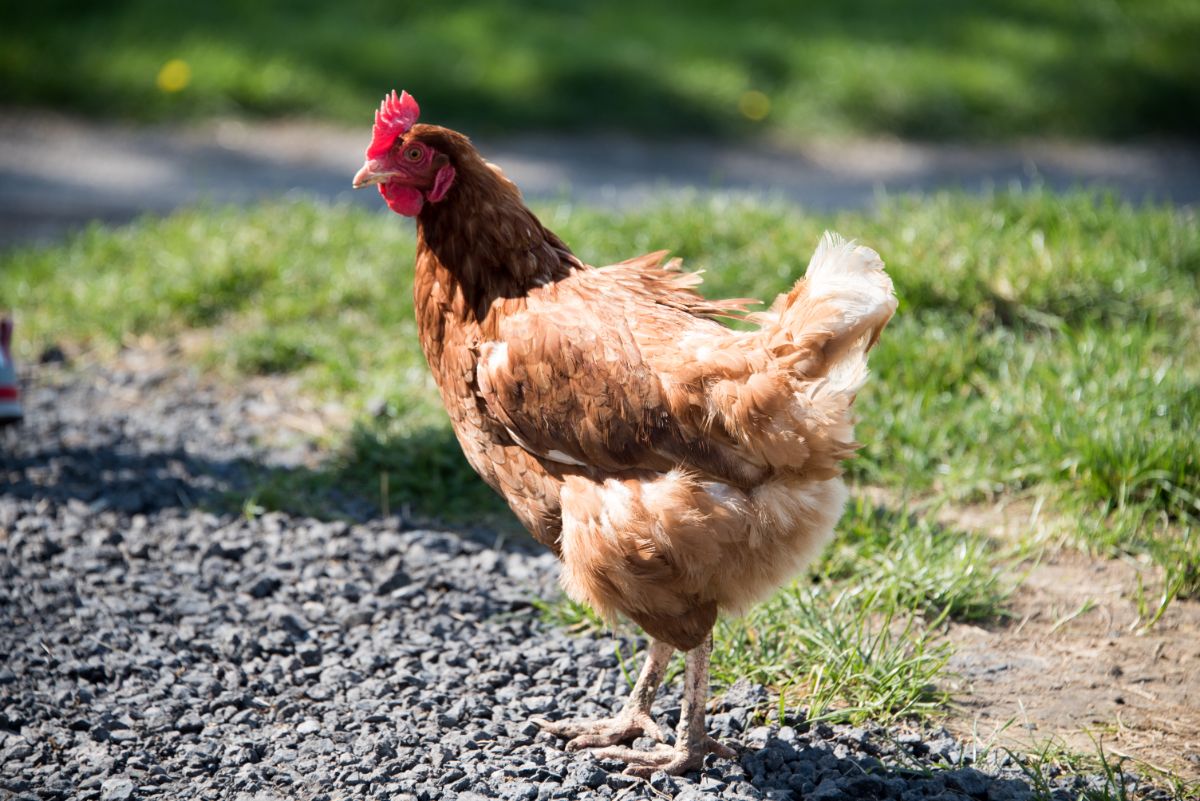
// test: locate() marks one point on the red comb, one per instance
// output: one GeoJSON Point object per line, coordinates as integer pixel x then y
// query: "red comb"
{"type": "Point", "coordinates": [394, 117]}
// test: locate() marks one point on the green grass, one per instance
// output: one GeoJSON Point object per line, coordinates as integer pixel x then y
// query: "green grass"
{"type": "Point", "coordinates": [919, 565]}
{"type": "Point", "coordinates": [927, 68]}
{"type": "Point", "coordinates": [1044, 348]}
{"type": "Point", "coordinates": [1040, 346]}
{"type": "Point", "coordinates": [858, 637]}
{"type": "Point", "coordinates": [840, 655]}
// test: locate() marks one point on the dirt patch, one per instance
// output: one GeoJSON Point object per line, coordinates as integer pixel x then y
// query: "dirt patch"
{"type": "Point", "coordinates": [1078, 664]}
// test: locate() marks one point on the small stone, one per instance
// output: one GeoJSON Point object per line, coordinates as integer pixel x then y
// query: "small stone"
{"type": "Point", "coordinates": [539, 704]}
{"type": "Point", "coordinates": [395, 581]}
{"type": "Point", "coordinates": [451, 776]}
{"type": "Point", "coordinates": [620, 781]}
{"type": "Point", "coordinates": [310, 654]}
{"type": "Point", "coordinates": [518, 791]}
{"type": "Point", "coordinates": [829, 790]}
{"type": "Point", "coordinates": [356, 618]}
{"type": "Point", "coordinates": [1009, 790]}
{"type": "Point", "coordinates": [588, 774]}
{"type": "Point", "coordinates": [966, 780]}
{"type": "Point", "coordinates": [663, 782]}
{"type": "Point", "coordinates": [264, 586]}
{"type": "Point", "coordinates": [692, 794]}
{"type": "Point", "coordinates": [190, 724]}
{"type": "Point", "coordinates": [116, 789]}
{"type": "Point", "coordinates": [231, 551]}
{"type": "Point", "coordinates": [867, 786]}
{"type": "Point", "coordinates": [946, 749]}
{"type": "Point", "coordinates": [745, 693]}
{"type": "Point", "coordinates": [440, 755]}
{"type": "Point", "coordinates": [308, 727]}
{"type": "Point", "coordinates": [759, 735]}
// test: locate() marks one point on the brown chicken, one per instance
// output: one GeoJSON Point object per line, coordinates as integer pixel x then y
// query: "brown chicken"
{"type": "Point", "coordinates": [677, 468]}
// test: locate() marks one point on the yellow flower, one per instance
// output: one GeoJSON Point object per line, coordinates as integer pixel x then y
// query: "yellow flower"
{"type": "Point", "coordinates": [754, 105]}
{"type": "Point", "coordinates": [174, 76]}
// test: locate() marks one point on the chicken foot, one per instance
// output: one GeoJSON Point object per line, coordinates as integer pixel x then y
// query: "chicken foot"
{"type": "Point", "coordinates": [632, 721]}
{"type": "Point", "coordinates": [692, 742]}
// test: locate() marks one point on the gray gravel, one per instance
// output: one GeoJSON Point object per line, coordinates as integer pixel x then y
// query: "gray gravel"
{"type": "Point", "coordinates": [153, 649]}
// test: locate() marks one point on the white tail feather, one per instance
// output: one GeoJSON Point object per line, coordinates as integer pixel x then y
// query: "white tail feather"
{"type": "Point", "coordinates": [851, 279]}
{"type": "Point", "coordinates": [853, 275]}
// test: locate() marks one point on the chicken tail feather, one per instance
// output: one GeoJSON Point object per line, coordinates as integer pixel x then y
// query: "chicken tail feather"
{"type": "Point", "coordinates": [836, 313]}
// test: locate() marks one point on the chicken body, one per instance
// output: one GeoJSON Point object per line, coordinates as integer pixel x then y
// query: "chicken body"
{"type": "Point", "coordinates": [676, 467]}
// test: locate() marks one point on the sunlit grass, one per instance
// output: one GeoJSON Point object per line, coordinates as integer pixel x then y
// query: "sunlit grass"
{"type": "Point", "coordinates": [839, 653]}
{"type": "Point", "coordinates": [1041, 345]}
{"type": "Point", "coordinates": [915, 564]}
{"type": "Point", "coordinates": [831, 654]}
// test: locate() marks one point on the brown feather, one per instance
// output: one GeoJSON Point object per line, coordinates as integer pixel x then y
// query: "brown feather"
{"type": "Point", "coordinates": [676, 467]}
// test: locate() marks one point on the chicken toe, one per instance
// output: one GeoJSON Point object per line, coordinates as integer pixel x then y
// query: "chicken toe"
{"type": "Point", "coordinates": [628, 725]}
{"type": "Point", "coordinates": [634, 719]}
{"type": "Point", "coordinates": [692, 743]}
{"type": "Point", "coordinates": [673, 760]}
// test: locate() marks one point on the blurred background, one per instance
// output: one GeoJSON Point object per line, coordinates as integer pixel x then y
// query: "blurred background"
{"type": "Point", "coordinates": [176, 223]}
{"type": "Point", "coordinates": [928, 69]}
{"type": "Point", "coordinates": [146, 105]}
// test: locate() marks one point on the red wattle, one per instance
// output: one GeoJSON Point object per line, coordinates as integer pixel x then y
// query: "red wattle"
{"type": "Point", "coordinates": [402, 199]}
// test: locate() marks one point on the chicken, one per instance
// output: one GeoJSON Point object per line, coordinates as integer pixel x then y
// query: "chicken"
{"type": "Point", "coordinates": [677, 468]}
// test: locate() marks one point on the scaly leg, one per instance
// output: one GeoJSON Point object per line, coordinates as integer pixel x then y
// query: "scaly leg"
{"type": "Point", "coordinates": [634, 718]}
{"type": "Point", "coordinates": [691, 740]}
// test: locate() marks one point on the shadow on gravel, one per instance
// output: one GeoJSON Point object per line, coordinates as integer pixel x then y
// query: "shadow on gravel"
{"type": "Point", "coordinates": [422, 475]}
{"type": "Point", "coordinates": [839, 762]}
{"type": "Point", "coordinates": [110, 477]}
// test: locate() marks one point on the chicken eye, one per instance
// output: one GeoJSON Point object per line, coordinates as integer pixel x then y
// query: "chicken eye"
{"type": "Point", "coordinates": [413, 154]}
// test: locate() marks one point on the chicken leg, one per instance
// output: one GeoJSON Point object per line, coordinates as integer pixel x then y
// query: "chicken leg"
{"type": "Point", "coordinates": [633, 720]}
{"type": "Point", "coordinates": [692, 742]}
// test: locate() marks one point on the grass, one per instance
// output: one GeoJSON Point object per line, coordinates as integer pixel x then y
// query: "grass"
{"type": "Point", "coordinates": [1039, 347]}
{"type": "Point", "coordinates": [917, 565]}
{"type": "Point", "coordinates": [840, 653]}
{"type": "Point", "coordinates": [929, 68]}
{"type": "Point", "coordinates": [1043, 349]}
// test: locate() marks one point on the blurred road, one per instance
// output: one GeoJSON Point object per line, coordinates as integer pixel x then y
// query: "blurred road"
{"type": "Point", "coordinates": [57, 173]}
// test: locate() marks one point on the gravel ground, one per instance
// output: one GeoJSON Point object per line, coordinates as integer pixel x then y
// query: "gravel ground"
{"type": "Point", "coordinates": [157, 650]}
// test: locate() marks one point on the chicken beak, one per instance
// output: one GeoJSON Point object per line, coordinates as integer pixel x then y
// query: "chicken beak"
{"type": "Point", "coordinates": [372, 172]}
